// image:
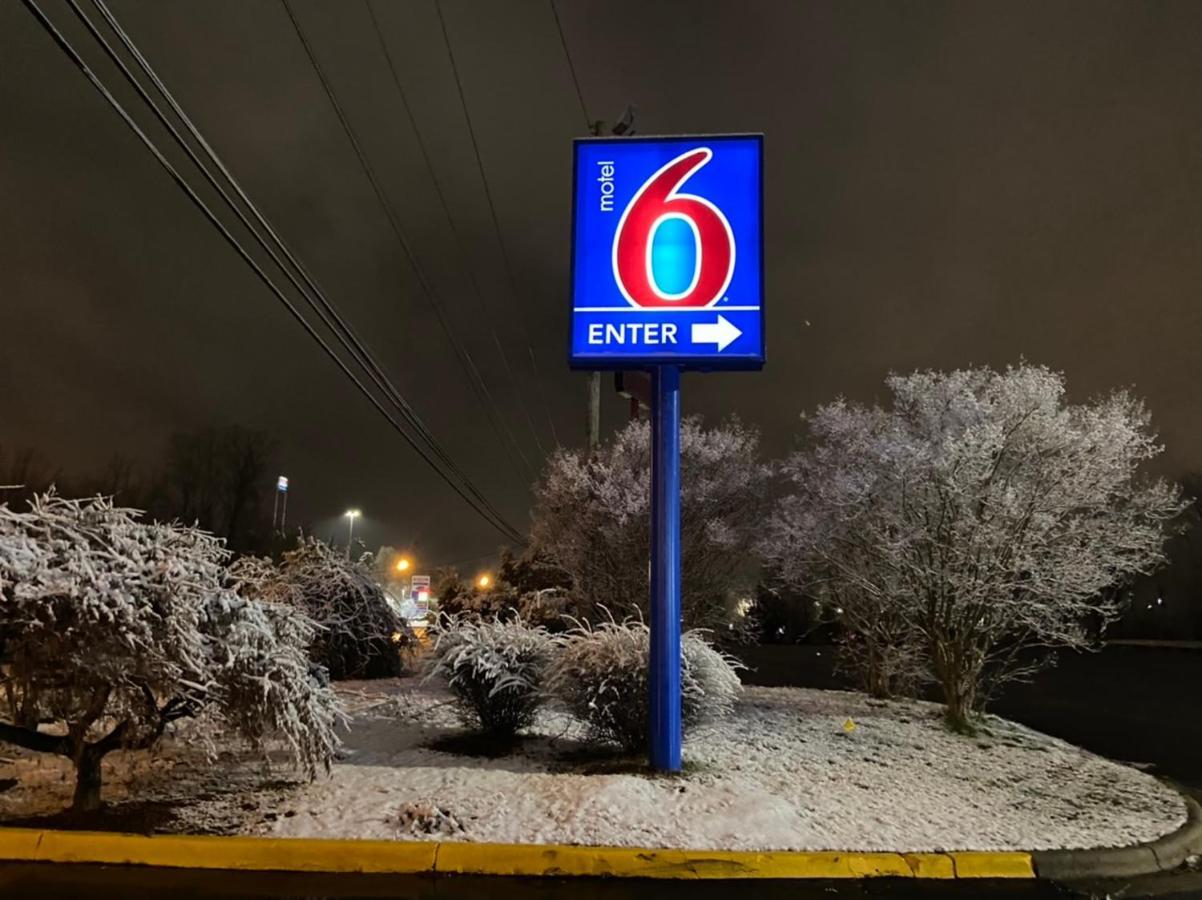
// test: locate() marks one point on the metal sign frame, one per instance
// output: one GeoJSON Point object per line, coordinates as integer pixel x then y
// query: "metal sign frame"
{"type": "Point", "coordinates": [746, 359]}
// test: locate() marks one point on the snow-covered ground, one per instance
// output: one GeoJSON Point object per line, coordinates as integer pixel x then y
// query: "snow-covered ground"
{"type": "Point", "coordinates": [783, 773]}
{"type": "Point", "coordinates": [173, 788]}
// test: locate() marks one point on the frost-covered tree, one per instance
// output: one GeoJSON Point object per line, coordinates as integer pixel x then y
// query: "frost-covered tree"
{"type": "Point", "coordinates": [592, 519]}
{"type": "Point", "coordinates": [359, 634]}
{"type": "Point", "coordinates": [981, 516]}
{"type": "Point", "coordinates": [112, 628]}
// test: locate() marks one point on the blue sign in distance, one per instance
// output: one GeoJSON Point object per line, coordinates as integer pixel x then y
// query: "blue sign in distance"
{"type": "Point", "coordinates": [667, 261]}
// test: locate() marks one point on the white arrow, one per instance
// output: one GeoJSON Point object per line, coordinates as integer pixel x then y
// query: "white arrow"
{"type": "Point", "coordinates": [720, 333]}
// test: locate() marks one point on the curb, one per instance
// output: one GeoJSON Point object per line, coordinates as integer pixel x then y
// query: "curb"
{"type": "Point", "coordinates": [1161, 855]}
{"type": "Point", "coordinates": [310, 855]}
{"type": "Point", "coordinates": [340, 856]}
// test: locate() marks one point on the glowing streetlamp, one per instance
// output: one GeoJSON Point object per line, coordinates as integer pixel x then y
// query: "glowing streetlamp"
{"type": "Point", "coordinates": [351, 515]}
{"type": "Point", "coordinates": [483, 581]}
{"type": "Point", "coordinates": [403, 565]}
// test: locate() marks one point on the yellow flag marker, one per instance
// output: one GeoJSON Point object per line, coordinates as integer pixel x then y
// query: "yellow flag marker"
{"type": "Point", "coordinates": [849, 726]}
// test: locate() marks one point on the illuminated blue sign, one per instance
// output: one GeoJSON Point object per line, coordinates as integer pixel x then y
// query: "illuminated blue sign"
{"type": "Point", "coordinates": [667, 264]}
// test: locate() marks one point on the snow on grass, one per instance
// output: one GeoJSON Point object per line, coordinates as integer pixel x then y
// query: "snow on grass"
{"type": "Point", "coordinates": [173, 788]}
{"type": "Point", "coordinates": [780, 774]}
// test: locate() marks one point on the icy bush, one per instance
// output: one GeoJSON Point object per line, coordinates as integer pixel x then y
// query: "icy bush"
{"type": "Point", "coordinates": [112, 628]}
{"type": "Point", "coordinates": [549, 607]}
{"type": "Point", "coordinates": [495, 670]}
{"type": "Point", "coordinates": [600, 675]}
{"type": "Point", "coordinates": [359, 635]}
{"type": "Point", "coordinates": [265, 682]}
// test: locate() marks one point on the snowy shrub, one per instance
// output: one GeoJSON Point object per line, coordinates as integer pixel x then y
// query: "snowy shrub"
{"type": "Point", "coordinates": [359, 634]}
{"type": "Point", "coordinates": [495, 670]}
{"type": "Point", "coordinates": [550, 607]}
{"type": "Point", "coordinates": [466, 601]}
{"type": "Point", "coordinates": [111, 629]}
{"type": "Point", "coordinates": [600, 675]}
{"type": "Point", "coordinates": [527, 585]}
{"type": "Point", "coordinates": [264, 680]}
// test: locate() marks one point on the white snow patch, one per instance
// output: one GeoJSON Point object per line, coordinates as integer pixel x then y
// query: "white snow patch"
{"type": "Point", "coordinates": [779, 774]}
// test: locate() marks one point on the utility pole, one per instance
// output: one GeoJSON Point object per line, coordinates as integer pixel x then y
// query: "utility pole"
{"type": "Point", "coordinates": [624, 126]}
{"type": "Point", "coordinates": [594, 412]}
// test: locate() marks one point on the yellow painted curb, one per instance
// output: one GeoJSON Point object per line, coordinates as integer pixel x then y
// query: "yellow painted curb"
{"type": "Point", "coordinates": [213, 852]}
{"type": "Point", "coordinates": [971, 864]}
{"type": "Point", "coordinates": [930, 865]}
{"type": "Point", "coordinates": [462, 858]}
{"type": "Point", "coordinates": [630, 862]}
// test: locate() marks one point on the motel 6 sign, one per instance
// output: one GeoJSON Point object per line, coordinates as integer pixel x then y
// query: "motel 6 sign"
{"type": "Point", "coordinates": [667, 265]}
{"type": "Point", "coordinates": [667, 275]}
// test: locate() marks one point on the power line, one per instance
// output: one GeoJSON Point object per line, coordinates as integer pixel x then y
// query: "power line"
{"type": "Point", "coordinates": [492, 209]}
{"type": "Point", "coordinates": [60, 40]}
{"type": "Point", "coordinates": [461, 352]}
{"type": "Point", "coordinates": [323, 307]}
{"type": "Point", "coordinates": [466, 362]}
{"type": "Point", "coordinates": [588, 122]}
{"type": "Point", "coordinates": [594, 381]}
{"type": "Point", "coordinates": [446, 211]}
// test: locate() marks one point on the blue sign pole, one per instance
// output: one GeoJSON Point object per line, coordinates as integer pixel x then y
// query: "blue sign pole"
{"type": "Point", "coordinates": [665, 569]}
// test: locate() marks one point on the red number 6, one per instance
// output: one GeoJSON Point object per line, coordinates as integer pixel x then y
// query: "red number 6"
{"type": "Point", "coordinates": [656, 200]}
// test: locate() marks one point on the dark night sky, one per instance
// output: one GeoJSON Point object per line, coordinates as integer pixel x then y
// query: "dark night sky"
{"type": "Point", "coordinates": [947, 184]}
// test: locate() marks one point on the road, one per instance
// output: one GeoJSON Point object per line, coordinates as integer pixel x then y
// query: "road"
{"type": "Point", "coordinates": [1138, 704]}
{"type": "Point", "coordinates": [94, 882]}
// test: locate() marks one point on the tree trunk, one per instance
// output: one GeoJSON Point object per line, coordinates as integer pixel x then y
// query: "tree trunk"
{"type": "Point", "coordinates": [958, 679]}
{"type": "Point", "coordinates": [960, 697]}
{"type": "Point", "coordinates": [958, 712]}
{"type": "Point", "coordinates": [87, 780]}
{"type": "Point", "coordinates": [876, 677]}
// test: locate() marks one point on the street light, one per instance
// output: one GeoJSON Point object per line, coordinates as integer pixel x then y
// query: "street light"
{"type": "Point", "coordinates": [483, 581]}
{"type": "Point", "coordinates": [402, 564]}
{"type": "Point", "coordinates": [351, 515]}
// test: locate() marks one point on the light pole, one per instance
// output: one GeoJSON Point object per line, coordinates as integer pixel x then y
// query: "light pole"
{"type": "Point", "coordinates": [351, 515]}
{"type": "Point", "coordinates": [281, 493]}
